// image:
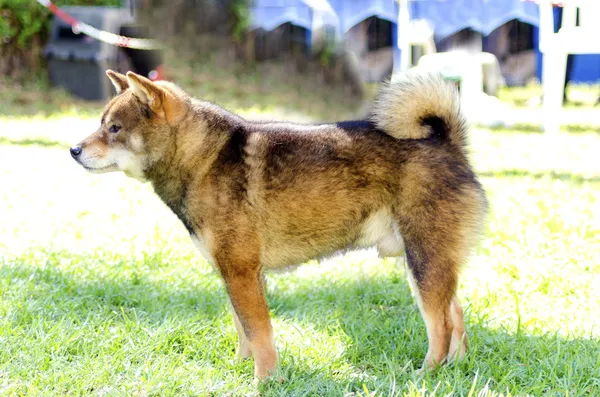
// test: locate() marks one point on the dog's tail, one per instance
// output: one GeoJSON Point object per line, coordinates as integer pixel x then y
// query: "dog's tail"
{"type": "Point", "coordinates": [417, 106]}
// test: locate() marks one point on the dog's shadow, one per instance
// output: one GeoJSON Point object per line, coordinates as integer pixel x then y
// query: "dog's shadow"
{"type": "Point", "coordinates": [388, 342]}
{"type": "Point", "coordinates": [384, 339]}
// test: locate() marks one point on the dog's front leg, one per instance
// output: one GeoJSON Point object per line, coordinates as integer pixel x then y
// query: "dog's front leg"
{"type": "Point", "coordinates": [243, 349]}
{"type": "Point", "coordinates": [245, 286]}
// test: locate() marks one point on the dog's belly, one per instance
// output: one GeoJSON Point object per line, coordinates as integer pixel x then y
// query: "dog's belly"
{"type": "Point", "coordinates": [378, 230]}
{"type": "Point", "coordinates": [285, 249]}
{"type": "Point", "coordinates": [381, 230]}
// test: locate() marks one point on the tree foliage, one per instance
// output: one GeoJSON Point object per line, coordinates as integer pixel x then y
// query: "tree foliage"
{"type": "Point", "coordinates": [24, 26]}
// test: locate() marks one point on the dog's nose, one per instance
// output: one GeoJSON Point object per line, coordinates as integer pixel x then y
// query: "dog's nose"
{"type": "Point", "coordinates": [75, 151]}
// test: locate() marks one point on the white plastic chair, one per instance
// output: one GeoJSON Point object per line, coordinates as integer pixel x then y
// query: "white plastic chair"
{"type": "Point", "coordinates": [474, 70]}
{"type": "Point", "coordinates": [570, 39]}
{"type": "Point", "coordinates": [412, 32]}
{"type": "Point", "coordinates": [478, 74]}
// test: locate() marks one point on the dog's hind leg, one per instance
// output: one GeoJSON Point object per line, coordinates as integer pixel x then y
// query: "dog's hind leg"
{"type": "Point", "coordinates": [437, 244]}
{"type": "Point", "coordinates": [439, 213]}
{"type": "Point", "coordinates": [433, 295]}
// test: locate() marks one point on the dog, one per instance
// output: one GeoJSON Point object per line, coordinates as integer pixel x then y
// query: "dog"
{"type": "Point", "coordinates": [256, 196]}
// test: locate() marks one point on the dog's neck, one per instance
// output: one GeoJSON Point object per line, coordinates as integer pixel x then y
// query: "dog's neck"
{"type": "Point", "coordinates": [195, 145]}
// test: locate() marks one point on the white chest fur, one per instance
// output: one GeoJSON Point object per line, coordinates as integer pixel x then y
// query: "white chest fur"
{"type": "Point", "coordinates": [200, 243]}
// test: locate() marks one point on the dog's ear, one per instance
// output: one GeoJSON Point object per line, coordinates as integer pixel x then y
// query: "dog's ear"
{"type": "Point", "coordinates": [147, 92]}
{"type": "Point", "coordinates": [118, 80]}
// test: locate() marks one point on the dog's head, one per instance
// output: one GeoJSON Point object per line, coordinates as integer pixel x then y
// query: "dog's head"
{"type": "Point", "coordinates": [136, 127]}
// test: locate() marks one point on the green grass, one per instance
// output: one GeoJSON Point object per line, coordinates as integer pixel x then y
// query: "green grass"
{"type": "Point", "coordinates": [578, 95]}
{"type": "Point", "coordinates": [103, 294]}
{"type": "Point", "coordinates": [37, 99]}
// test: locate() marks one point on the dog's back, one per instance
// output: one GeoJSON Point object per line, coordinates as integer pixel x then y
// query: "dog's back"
{"type": "Point", "coordinates": [315, 189]}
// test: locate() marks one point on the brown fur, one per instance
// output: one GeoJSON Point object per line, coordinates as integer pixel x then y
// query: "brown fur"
{"type": "Point", "coordinates": [257, 196]}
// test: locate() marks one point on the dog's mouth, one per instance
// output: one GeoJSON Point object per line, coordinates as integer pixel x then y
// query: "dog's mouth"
{"type": "Point", "coordinates": [101, 170]}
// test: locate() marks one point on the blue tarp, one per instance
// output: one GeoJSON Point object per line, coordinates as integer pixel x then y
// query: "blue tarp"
{"type": "Point", "coordinates": [268, 14]}
{"type": "Point", "coordinates": [446, 16]}
{"type": "Point", "coordinates": [351, 12]}
{"type": "Point", "coordinates": [451, 16]}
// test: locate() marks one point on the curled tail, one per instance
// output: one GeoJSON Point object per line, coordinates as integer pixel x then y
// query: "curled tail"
{"type": "Point", "coordinates": [417, 106]}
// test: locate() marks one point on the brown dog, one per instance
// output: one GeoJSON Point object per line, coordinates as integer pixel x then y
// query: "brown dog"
{"type": "Point", "coordinates": [256, 196]}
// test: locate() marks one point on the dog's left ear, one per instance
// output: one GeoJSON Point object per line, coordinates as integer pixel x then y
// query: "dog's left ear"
{"type": "Point", "coordinates": [147, 92]}
{"type": "Point", "coordinates": [118, 80]}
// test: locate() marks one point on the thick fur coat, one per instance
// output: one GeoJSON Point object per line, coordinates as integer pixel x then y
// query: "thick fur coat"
{"type": "Point", "coordinates": [264, 195]}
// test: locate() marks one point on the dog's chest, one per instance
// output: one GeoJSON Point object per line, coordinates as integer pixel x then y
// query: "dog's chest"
{"type": "Point", "coordinates": [174, 196]}
{"type": "Point", "coordinates": [201, 245]}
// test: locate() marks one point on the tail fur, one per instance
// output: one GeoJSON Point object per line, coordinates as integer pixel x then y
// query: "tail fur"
{"type": "Point", "coordinates": [417, 106]}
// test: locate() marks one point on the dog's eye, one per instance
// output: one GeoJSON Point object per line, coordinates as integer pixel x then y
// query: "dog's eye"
{"type": "Point", "coordinates": [114, 128]}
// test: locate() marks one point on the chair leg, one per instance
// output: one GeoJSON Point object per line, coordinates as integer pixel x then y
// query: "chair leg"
{"type": "Point", "coordinates": [554, 67]}
{"type": "Point", "coordinates": [430, 45]}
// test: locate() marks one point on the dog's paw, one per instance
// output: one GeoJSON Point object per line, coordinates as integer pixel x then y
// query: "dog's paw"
{"type": "Point", "coordinates": [429, 364]}
{"type": "Point", "coordinates": [271, 379]}
{"type": "Point", "coordinates": [458, 347]}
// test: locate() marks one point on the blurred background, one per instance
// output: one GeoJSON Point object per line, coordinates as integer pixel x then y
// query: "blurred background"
{"type": "Point", "coordinates": [266, 54]}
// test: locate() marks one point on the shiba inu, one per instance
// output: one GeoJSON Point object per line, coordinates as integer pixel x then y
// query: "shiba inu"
{"type": "Point", "coordinates": [256, 196]}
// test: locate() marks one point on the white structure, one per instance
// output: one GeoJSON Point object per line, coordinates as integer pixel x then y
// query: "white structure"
{"type": "Point", "coordinates": [412, 32]}
{"type": "Point", "coordinates": [474, 72]}
{"type": "Point", "coordinates": [570, 39]}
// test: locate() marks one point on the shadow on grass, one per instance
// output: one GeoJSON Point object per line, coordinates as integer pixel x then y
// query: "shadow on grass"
{"type": "Point", "coordinates": [388, 344]}
{"type": "Point", "coordinates": [383, 337]}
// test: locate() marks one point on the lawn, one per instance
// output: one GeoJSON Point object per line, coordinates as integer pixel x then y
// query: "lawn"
{"type": "Point", "coordinates": [103, 294]}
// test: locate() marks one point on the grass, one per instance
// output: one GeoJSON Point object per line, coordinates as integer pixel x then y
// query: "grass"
{"type": "Point", "coordinates": [103, 294]}
{"type": "Point", "coordinates": [37, 99]}
{"type": "Point", "coordinates": [578, 95]}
